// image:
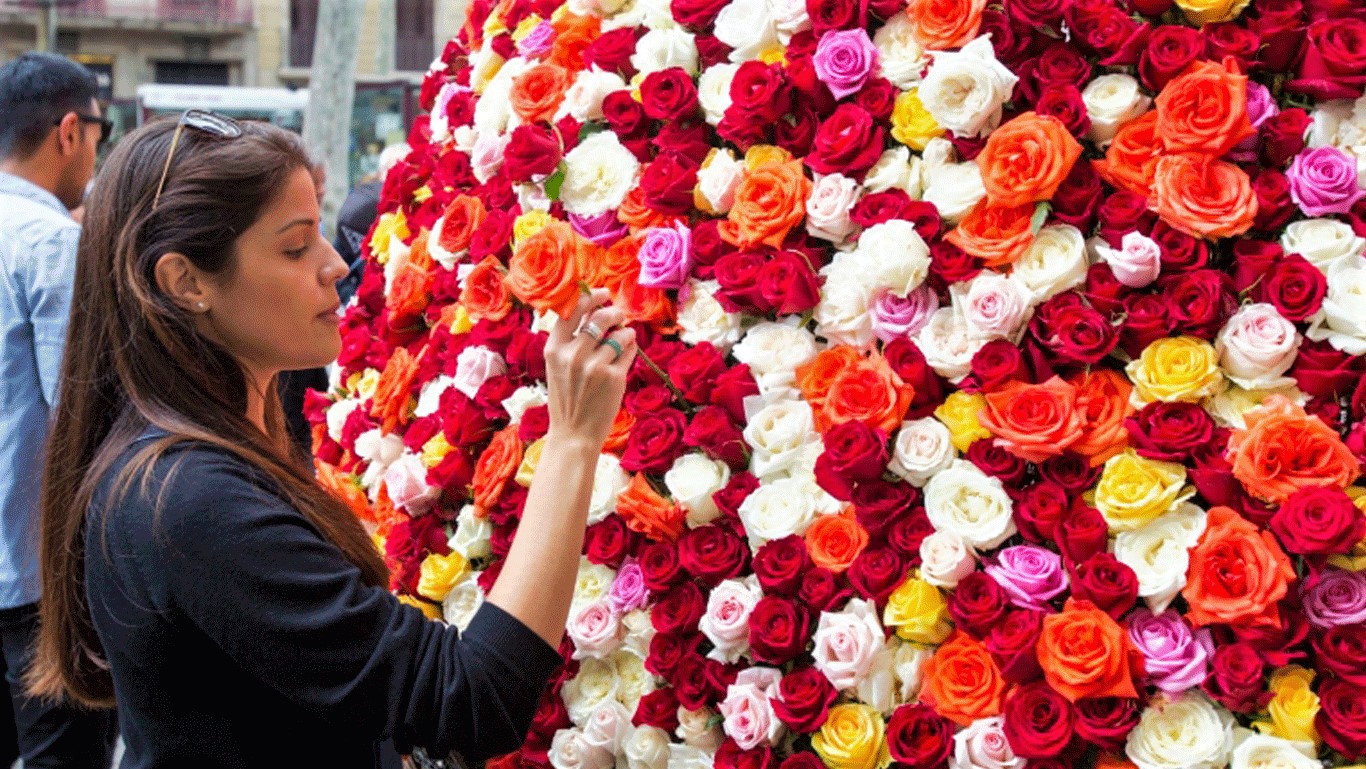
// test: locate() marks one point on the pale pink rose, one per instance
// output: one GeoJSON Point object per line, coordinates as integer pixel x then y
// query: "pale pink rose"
{"type": "Point", "coordinates": [595, 629]}
{"type": "Point", "coordinates": [847, 643]}
{"type": "Point", "coordinates": [748, 709]}
{"type": "Point", "coordinates": [726, 623]}
{"type": "Point", "coordinates": [406, 482]}
{"type": "Point", "coordinates": [475, 366]}
{"type": "Point", "coordinates": [827, 210]}
{"type": "Point", "coordinates": [983, 745]}
{"type": "Point", "coordinates": [895, 317]}
{"type": "Point", "coordinates": [608, 727]}
{"type": "Point", "coordinates": [1138, 261]}
{"type": "Point", "coordinates": [995, 306]}
{"type": "Point", "coordinates": [1257, 346]}
{"type": "Point", "coordinates": [945, 559]}
{"type": "Point", "coordinates": [487, 155]}
{"type": "Point", "coordinates": [571, 750]}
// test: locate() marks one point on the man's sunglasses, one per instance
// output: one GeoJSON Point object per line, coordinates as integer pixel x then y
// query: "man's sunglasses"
{"type": "Point", "coordinates": [211, 123]}
{"type": "Point", "coordinates": [106, 125]}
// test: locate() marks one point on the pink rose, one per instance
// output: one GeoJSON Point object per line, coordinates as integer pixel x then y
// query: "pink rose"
{"type": "Point", "coordinates": [748, 709]}
{"type": "Point", "coordinates": [1323, 181]}
{"type": "Point", "coordinates": [595, 630]}
{"type": "Point", "coordinates": [726, 623]}
{"type": "Point", "coordinates": [665, 257]}
{"type": "Point", "coordinates": [628, 590]}
{"type": "Point", "coordinates": [475, 366]}
{"type": "Point", "coordinates": [996, 306]}
{"type": "Point", "coordinates": [1261, 106]}
{"type": "Point", "coordinates": [602, 229]}
{"type": "Point", "coordinates": [406, 482]}
{"type": "Point", "coordinates": [1175, 657]}
{"type": "Point", "coordinates": [895, 317]}
{"type": "Point", "coordinates": [1031, 576]}
{"type": "Point", "coordinates": [847, 643]}
{"type": "Point", "coordinates": [844, 59]}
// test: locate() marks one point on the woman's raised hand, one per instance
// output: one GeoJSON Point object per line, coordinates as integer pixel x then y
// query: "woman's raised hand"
{"type": "Point", "coordinates": [586, 359]}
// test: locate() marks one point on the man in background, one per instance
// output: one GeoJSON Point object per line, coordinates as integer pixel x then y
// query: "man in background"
{"type": "Point", "coordinates": [50, 127]}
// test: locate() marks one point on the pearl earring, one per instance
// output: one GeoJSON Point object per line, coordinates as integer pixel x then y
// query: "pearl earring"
{"type": "Point", "coordinates": [201, 306]}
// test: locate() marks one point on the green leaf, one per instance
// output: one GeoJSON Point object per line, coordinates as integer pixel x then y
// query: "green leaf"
{"type": "Point", "coordinates": [1040, 216]}
{"type": "Point", "coordinates": [715, 721]}
{"type": "Point", "coordinates": [591, 127]}
{"type": "Point", "coordinates": [553, 183]}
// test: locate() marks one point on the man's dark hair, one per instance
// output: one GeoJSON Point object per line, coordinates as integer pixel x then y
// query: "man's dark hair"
{"type": "Point", "coordinates": [36, 90]}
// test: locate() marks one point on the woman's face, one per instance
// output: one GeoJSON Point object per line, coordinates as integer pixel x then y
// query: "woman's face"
{"type": "Point", "coordinates": [277, 310]}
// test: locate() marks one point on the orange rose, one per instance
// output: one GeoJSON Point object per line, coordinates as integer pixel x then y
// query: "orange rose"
{"type": "Point", "coordinates": [1033, 421]}
{"type": "Point", "coordinates": [573, 35]}
{"type": "Point", "coordinates": [1085, 653]}
{"type": "Point", "coordinates": [815, 377]}
{"type": "Point", "coordinates": [344, 486]}
{"type": "Point", "coordinates": [614, 265]}
{"type": "Point", "coordinates": [1237, 574]}
{"type": "Point", "coordinates": [649, 513]}
{"type": "Point", "coordinates": [537, 92]}
{"type": "Point", "coordinates": [769, 201]}
{"type": "Point", "coordinates": [390, 404]}
{"type": "Point", "coordinates": [486, 295]}
{"type": "Point", "coordinates": [386, 515]}
{"type": "Point", "coordinates": [962, 682]}
{"type": "Point", "coordinates": [463, 216]}
{"type": "Point", "coordinates": [544, 270]}
{"type": "Point", "coordinates": [943, 24]}
{"type": "Point", "coordinates": [867, 391]}
{"type": "Point", "coordinates": [1203, 197]}
{"type": "Point", "coordinates": [1204, 109]}
{"type": "Point", "coordinates": [1026, 159]}
{"type": "Point", "coordinates": [834, 541]}
{"type": "Point", "coordinates": [1284, 449]}
{"type": "Point", "coordinates": [496, 466]}
{"type": "Point", "coordinates": [411, 291]}
{"type": "Point", "coordinates": [620, 432]}
{"type": "Point", "coordinates": [1107, 761]}
{"type": "Point", "coordinates": [1131, 158]}
{"type": "Point", "coordinates": [997, 235]}
{"type": "Point", "coordinates": [635, 213]}
{"type": "Point", "coordinates": [1103, 403]}
{"type": "Point", "coordinates": [643, 304]}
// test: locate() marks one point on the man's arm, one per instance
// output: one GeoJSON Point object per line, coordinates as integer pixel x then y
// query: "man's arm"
{"type": "Point", "coordinates": [51, 277]}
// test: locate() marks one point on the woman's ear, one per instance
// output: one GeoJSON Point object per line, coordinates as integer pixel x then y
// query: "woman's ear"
{"type": "Point", "coordinates": [180, 280]}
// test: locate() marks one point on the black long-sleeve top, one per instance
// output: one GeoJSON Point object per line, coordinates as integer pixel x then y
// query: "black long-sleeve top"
{"type": "Point", "coordinates": [238, 637]}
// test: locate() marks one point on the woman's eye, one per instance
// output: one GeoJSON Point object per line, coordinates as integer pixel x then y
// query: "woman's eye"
{"type": "Point", "coordinates": [296, 253]}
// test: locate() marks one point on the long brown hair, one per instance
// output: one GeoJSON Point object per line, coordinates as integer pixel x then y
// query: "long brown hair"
{"type": "Point", "coordinates": [133, 359]}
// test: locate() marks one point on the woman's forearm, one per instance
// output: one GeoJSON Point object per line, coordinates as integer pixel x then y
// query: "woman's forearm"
{"type": "Point", "coordinates": [536, 584]}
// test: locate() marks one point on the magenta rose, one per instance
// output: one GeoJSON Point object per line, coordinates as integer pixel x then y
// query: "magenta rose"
{"type": "Point", "coordinates": [1335, 597]}
{"type": "Point", "coordinates": [1323, 181]}
{"type": "Point", "coordinates": [844, 59]}
{"type": "Point", "coordinates": [1175, 657]}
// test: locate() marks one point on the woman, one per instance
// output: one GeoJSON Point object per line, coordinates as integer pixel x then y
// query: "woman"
{"type": "Point", "coordinates": [194, 572]}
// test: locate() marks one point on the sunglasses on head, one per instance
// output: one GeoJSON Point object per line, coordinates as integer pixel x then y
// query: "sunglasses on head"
{"type": "Point", "coordinates": [106, 125]}
{"type": "Point", "coordinates": [211, 123]}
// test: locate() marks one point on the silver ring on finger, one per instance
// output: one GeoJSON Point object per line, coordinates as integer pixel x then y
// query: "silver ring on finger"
{"type": "Point", "coordinates": [591, 329]}
{"type": "Point", "coordinates": [616, 348]}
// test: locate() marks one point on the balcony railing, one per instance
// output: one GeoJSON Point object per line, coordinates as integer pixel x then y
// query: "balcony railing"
{"type": "Point", "coordinates": [193, 11]}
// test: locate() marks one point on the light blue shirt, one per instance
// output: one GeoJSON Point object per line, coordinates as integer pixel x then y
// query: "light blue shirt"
{"type": "Point", "coordinates": [37, 271]}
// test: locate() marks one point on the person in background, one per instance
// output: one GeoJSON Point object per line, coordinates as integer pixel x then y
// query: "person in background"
{"type": "Point", "coordinates": [50, 127]}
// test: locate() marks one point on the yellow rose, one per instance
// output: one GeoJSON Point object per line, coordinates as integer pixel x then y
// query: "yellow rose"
{"type": "Point", "coordinates": [422, 194]}
{"type": "Point", "coordinates": [775, 55]}
{"type": "Point", "coordinates": [431, 610]}
{"type": "Point", "coordinates": [1294, 705]}
{"type": "Point", "coordinates": [391, 228]}
{"type": "Point", "coordinates": [439, 573]}
{"type": "Point", "coordinates": [461, 323]}
{"type": "Point", "coordinates": [1211, 11]}
{"type": "Point", "coordinates": [531, 456]}
{"type": "Point", "coordinates": [1133, 490]}
{"type": "Point", "coordinates": [760, 155]}
{"type": "Point", "coordinates": [912, 124]}
{"type": "Point", "coordinates": [852, 737]}
{"type": "Point", "coordinates": [365, 384]}
{"type": "Point", "coordinates": [434, 450]}
{"type": "Point", "coordinates": [918, 611]}
{"type": "Point", "coordinates": [525, 27]}
{"type": "Point", "coordinates": [528, 224]}
{"type": "Point", "coordinates": [959, 413]}
{"type": "Point", "coordinates": [1183, 368]}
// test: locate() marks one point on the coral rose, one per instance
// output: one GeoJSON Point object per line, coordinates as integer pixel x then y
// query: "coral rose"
{"type": "Point", "coordinates": [940, 25]}
{"type": "Point", "coordinates": [455, 229]}
{"type": "Point", "coordinates": [537, 93]}
{"type": "Point", "coordinates": [867, 391]}
{"type": "Point", "coordinates": [1204, 110]}
{"type": "Point", "coordinates": [816, 376]}
{"type": "Point", "coordinates": [1203, 197]}
{"type": "Point", "coordinates": [1085, 653]}
{"type": "Point", "coordinates": [1103, 403]}
{"type": "Point", "coordinates": [496, 466]}
{"type": "Point", "coordinates": [544, 269]}
{"type": "Point", "coordinates": [1131, 158]}
{"type": "Point", "coordinates": [1237, 574]}
{"type": "Point", "coordinates": [962, 682]}
{"type": "Point", "coordinates": [1284, 449]}
{"type": "Point", "coordinates": [996, 235]}
{"type": "Point", "coordinates": [574, 34]}
{"type": "Point", "coordinates": [1026, 159]}
{"type": "Point", "coordinates": [834, 541]}
{"type": "Point", "coordinates": [769, 202]}
{"type": "Point", "coordinates": [393, 395]}
{"type": "Point", "coordinates": [485, 295]}
{"type": "Point", "coordinates": [649, 513]}
{"type": "Point", "coordinates": [1033, 421]}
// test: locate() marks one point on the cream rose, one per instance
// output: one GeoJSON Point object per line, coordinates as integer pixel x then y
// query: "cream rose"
{"type": "Point", "coordinates": [493, 113]}
{"type": "Point", "coordinates": [789, 18]}
{"type": "Point", "coordinates": [697, 729]}
{"type": "Point", "coordinates": [595, 684]}
{"type": "Point", "coordinates": [923, 447]}
{"type": "Point", "coordinates": [1324, 242]}
{"type": "Point", "coordinates": [692, 480]}
{"type": "Point", "coordinates": [1188, 732]}
{"type": "Point", "coordinates": [1111, 101]}
{"type": "Point", "coordinates": [647, 748]}
{"type": "Point", "coordinates": [908, 664]}
{"type": "Point", "coordinates": [726, 623]}
{"type": "Point", "coordinates": [472, 535]}
{"type": "Point", "coordinates": [777, 509]}
{"type": "Point", "coordinates": [966, 501]}
{"type": "Point", "coordinates": [892, 255]}
{"type": "Point", "coordinates": [718, 178]}
{"type": "Point", "coordinates": [945, 559]}
{"type": "Point", "coordinates": [983, 745]}
{"type": "Point", "coordinates": [773, 351]}
{"type": "Point", "coordinates": [713, 90]}
{"type": "Point", "coordinates": [901, 59]}
{"type": "Point", "coordinates": [1159, 553]}
{"type": "Point", "coordinates": [591, 583]}
{"type": "Point", "coordinates": [633, 680]}
{"type": "Point", "coordinates": [598, 174]}
{"type": "Point", "coordinates": [689, 757]}
{"type": "Point", "coordinates": [380, 451]}
{"type": "Point", "coordinates": [1230, 406]}
{"type": "Point", "coordinates": [461, 604]}
{"type": "Point", "coordinates": [486, 156]}
{"type": "Point", "coordinates": [1257, 346]}
{"type": "Point", "coordinates": [748, 27]}
{"type": "Point", "coordinates": [703, 319]}
{"type": "Point", "coordinates": [947, 344]}
{"type": "Point", "coordinates": [523, 398]}
{"type": "Point", "coordinates": [429, 397]}
{"type": "Point", "coordinates": [827, 209]}
{"type": "Point", "coordinates": [664, 48]}
{"type": "Point", "coordinates": [748, 709]}
{"type": "Point", "coordinates": [569, 749]}
{"type": "Point", "coordinates": [844, 314]}
{"type": "Point", "coordinates": [1341, 320]}
{"type": "Point", "coordinates": [777, 433]}
{"type": "Point", "coordinates": [953, 187]}
{"type": "Point", "coordinates": [583, 100]}
{"type": "Point", "coordinates": [847, 642]}
{"type": "Point", "coordinates": [1263, 751]}
{"type": "Point", "coordinates": [609, 480]}
{"type": "Point", "coordinates": [965, 89]}
{"type": "Point", "coordinates": [897, 169]}
{"type": "Point", "coordinates": [1055, 262]}
{"type": "Point", "coordinates": [608, 727]}
{"type": "Point", "coordinates": [878, 689]}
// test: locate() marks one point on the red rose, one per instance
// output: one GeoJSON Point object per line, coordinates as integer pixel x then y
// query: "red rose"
{"type": "Point", "coordinates": [689, 678]}
{"type": "Point", "coordinates": [658, 708]}
{"type": "Point", "coordinates": [1036, 14]}
{"type": "Point", "coordinates": [706, 246]}
{"type": "Point", "coordinates": [977, 604]}
{"type": "Point", "coordinates": [731, 756]}
{"type": "Point", "coordinates": [669, 94]}
{"type": "Point", "coordinates": [611, 51]}
{"type": "Point", "coordinates": [1334, 63]}
{"type": "Point", "coordinates": [1171, 432]}
{"type": "Point", "coordinates": [1147, 320]}
{"type": "Point", "coordinates": [1169, 51]}
{"type": "Point", "coordinates": [608, 542]}
{"type": "Point", "coordinates": [1282, 136]}
{"type": "Point", "coordinates": [713, 431]}
{"type": "Point", "coordinates": [1341, 719]}
{"type": "Point", "coordinates": [671, 655]}
{"type": "Point", "coordinates": [1040, 508]}
{"type": "Point", "coordinates": [659, 565]}
{"type": "Point", "coordinates": [1180, 252]}
{"type": "Point", "coordinates": [853, 452]}
{"type": "Point", "coordinates": [805, 760]}
{"type": "Point", "coordinates": [1073, 333]}
{"type": "Point", "coordinates": [1106, 721]}
{"type": "Point", "coordinates": [906, 535]}
{"type": "Point", "coordinates": [1078, 197]}
{"type": "Point", "coordinates": [738, 276]}
{"type": "Point", "coordinates": [1279, 646]}
{"type": "Point", "coordinates": [729, 498]}
{"type": "Point", "coordinates": [1322, 371]}
{"type": "Point", "coordinates": [1275, 207]}
{"type": "Point", "coordinates": [828, 15]}
{"type": "Point", "coordinates": [804, 699]}
{"type": "Point", "coordinates": [1010, 47]}
{"type": "Point", "coordinates": [1012, 643]}
{"type": "Point", "coordinates": [761, 90]}
{"type": "Point", "coordinates": [1121, 213]}
{"type": "Point", "coordinates": [1070, 470]}
{"type": "Point", "coordinates": [1106, 582]}
{"type": "Point", "coordinates": [687, 139]}
{"type": "Point", "coordinates": [1060, 63]}
{"type": "Point", "coordinates": [780, 564]}
{"type": "Point", "coordinates": [656, 440]}
{"type": "Point", "coordinates": [679, 610]}
{"type": "Point", "coordinates": [694, 370]}
{"type": "Point", "coordinates": [997, 462]}
{"type": "Point", "coordinates": [949, 264]}
{"type": "Point", "coordinates": [909, 363]}
{"type": "Point", "coordinates": [1342, 651]}
{"type": "Point", "coordinates": [490, 239]}
{"type": "Point", "coordinates": [823, 590]}
{"type": "Point", "coordinates": [648, 398]}
{"type": "Point", "coordinates": [1038, 721]}
{"type": "Point", "coordinates": [712, 554]}
{"type": "Point", "coordinates": [745, 129]}
{"type": "Point", "coordinates": [788, 285]}
{"type": "Point", "coordinates": [918, 737]}
{"type": "Point", "coordinates": [667, 183]}
{"type": "Point", "coordinates": [1237, 678]}
{"type": "Point", "coordinates": [1231, 39]}
{"type": "Point", "coordinates": [849, 142]}
{"type": "Point", "coordinates": [879, 207]}
{"type": "Point", "coordinates": [1063, 101]}
{"type": "Point", "coordinates": [732, 388]}
{"type": "Point", "coordinates": [878, 96]}
{"type": "Point", "coordinates": [697, 13]}
{"type": "Point", "coordinates": [1295, 287]}
{"type": "Point", "coordinates": [1318, 521]}
{"type": "Point", "coordinates": [711, 51]}
{"type": "Point", "coordinates": [623, 114]}
{"type": "Point", "coordinates": [1251, 261]}
{"type": "Point", "coordinates": [1082, 534]}
{"type": "Point", "coordinates": [1109, 32]}
{"type": "Point", "coordinates": [795, 132]}
{"type": "Point", "coordinates": [779, 630]}
{"type": "Point", "coordinates": [1103, 291]}
{"type": "Point", "coordinates": [1280, 26]}
{"type": "Point", "coordinates": [994, 366]}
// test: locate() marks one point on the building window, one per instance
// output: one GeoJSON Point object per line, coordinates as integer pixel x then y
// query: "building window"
{"type": "Point", "coordinates": [303, 25]}
{"type": "Point", "coordinates": [192, 73]}
{"type": "Point", "coordinates": [413, 35]}
{"type": "Point", "coordinates": [68, 42]}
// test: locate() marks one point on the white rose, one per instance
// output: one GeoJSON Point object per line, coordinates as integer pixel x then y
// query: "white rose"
{"type": "Point", "coordinates": [844, 314]}
{"type": "Point", "coordinates": [697, 729]}
{"type": "Point", "coordinates": [570, 750]}
{"type": "Point", "coordinates": [472, 535]}
{"type": "Point", "coordinates": [591, 583]}
{"type": "Point", "coordinates": [923, 447]}
{"type": "Point", "coordinates": [639, 632]}
{"type": "Point", "coordinates": [1256, 346]}
{"type": "Point", "coordinates": [1229, 407]}
{"type": "Point", "coordinates": [689, 757]}
{"type": "Point", "coordinates": [380, 451]}
{"type": "Point", "coordinates": [953, 187]}
{"type": "Point", "coordinates": [651, 14]}
{"type": "Point", "coordinates": [713, 90]}
{"type": "Point", "coordinates": [1326, 122]}
{"type": "Point", "coordinates": [486, 156]}
{"type": "Point", "coordinates": [493, 113]}
{"type": "Point", "coordinates": [1159, 553]}
{"type": "Point", "coordinates": [661, 49]}
{"type": "Point", "coordinates": [776, 433]}
{"type": "Point", "coordinates": [692, 480]}
{"type": "Point", "coordinates": [1055, 262]}
{"type": "Point", "coordinates": [608, 727]}
{"type": "Point", "coordinates": [429, 397]}
{"type": "Point", "coordinates": [748, 710]}
{"type": "Point", "coordinates": [583, 99]}
{"type": "Point", "coordinates": [908, 663]}
{"type": "Point", "coordinates": [878, 689]}
{"type": "Point", "coordinates": [595, 684]}
{"type": "Point", "coordinates": [598, 174]}
{"type": "Point", "coordinates": [462, 138]}
{"type": "Point", "coordinates": [718, 179]}
{"type": "Point", "coordinates": [847, 642]}
{"type": "Point", "coordinates": [609, 480]}
{"type": "Point", "coordinates": [747, 26]}
{"type": "Point", "coordinates": [531, 196]}
{"type": "Point", "coordinates": [827, 209]}
{"type": "Point", "coordinates": [1111, 101]}
{"type": "Point", "coordinates": [1342, 318]}
{"type": "Point", "coordinates": [726, 623]}
{"type": "Point", "coordinates": [893, 256]}
{"type": "Point", "coordinates": [475, 366]}
{"type": "Point", "coordinates": [703, 319]}
{"type": "Point", "coordinates": [778, 509]}
{"type": "Point", "coordinates": [1138, 261]}
{"type": "Point", "coordinates": [633, 680]}
{"type": "Point", "coordinates": [1323, 242]}
{"type": "Point", "coordinates": [900, 58]}
{"type": "Point", "coordinates": [337, 414]}
{"type": "Point", "coordinates": [595, 630]}
{"type": "Point", "coordinates": [966, 501]}
{"type": "Point", "coordinates": [995, 306]}
{"type": "Point", "coordinates": [945, 559]}
{"type": "Point", "coordinates": [965, 89]}
{"type": "Point", "coordinates": [773, 351]}
{"type": "Point", "coordinates": [789, 18]}
{"type": "Point", "coordinates": [1262, 751]}
{"type": "Point", "coordinates": [523, 398]}
{"type": "Point", "coordinates": [983, 745]}
{"type": "Point", "coordinates": [947, 345]}
{"type": "Point", "coordinates": [1187, 732]}
{"type": "Point", "coordinates": [461, 604]}
{"type": "Point", "coordinates": [647, 748]}
{"type": "Point", "coordinates": [896, 168]}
